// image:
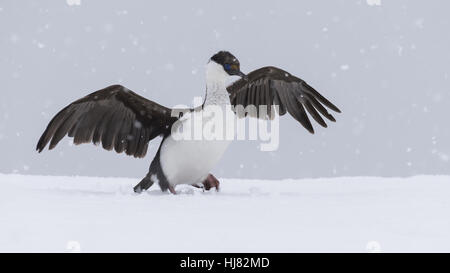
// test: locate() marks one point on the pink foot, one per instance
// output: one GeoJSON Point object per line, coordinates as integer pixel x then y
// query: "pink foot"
{"type": "Point", "coordinates": [172, 190]}
{"type": "Point", "coordinates": [211, 182]}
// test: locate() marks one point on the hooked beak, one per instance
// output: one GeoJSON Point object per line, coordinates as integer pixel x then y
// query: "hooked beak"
{"type": "Point", "coordinates": [235, 70]}
{"type": "Point", "coordinates": [241, 74]}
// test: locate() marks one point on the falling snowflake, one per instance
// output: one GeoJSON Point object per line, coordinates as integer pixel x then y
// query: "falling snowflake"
{"type": "Point", "coordinates": [169, 66]}
{"type": "Point", "coordinates": [122, 12]}
{"type": "Point", "coordinates": [419, 23]}
{"type": "Point", "coordinates": [373, 2]}
{"type": "Point", "coordinates": [199, 12]}
{"type": "Point", "coordinates": [38, 44]}
{"type": "Point", "coordinates": [216, 34]}
{"type": "Point", "coordinates": [73, 2]}
{"type": "Point", "coordinates": [14, 38]}
{"type": "Point", "coordinates": [400, 50]}
{"type": "Point", "coordinates": [444, 157]}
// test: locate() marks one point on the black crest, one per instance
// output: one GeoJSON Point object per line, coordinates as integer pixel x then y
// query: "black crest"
{"type": "Point", "coordinates": [225, 57]}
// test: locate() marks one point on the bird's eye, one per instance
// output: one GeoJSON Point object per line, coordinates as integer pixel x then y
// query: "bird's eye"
{"type": "Point", "coordinates": [227, 66]}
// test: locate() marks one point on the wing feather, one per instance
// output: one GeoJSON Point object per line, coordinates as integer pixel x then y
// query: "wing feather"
{"type": "Point", "coordinates": [271, 86]}
{"type": "Point", "coordinates": [116, 117]}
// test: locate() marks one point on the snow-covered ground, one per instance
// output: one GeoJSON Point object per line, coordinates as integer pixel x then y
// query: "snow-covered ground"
{"type": "Point", "coordinates": [48, 213]}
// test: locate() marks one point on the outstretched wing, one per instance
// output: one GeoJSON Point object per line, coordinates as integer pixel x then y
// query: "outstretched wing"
{"type": "Point", "coordinates": [115, 116]}
{"type": "Point", "coordinates": [271, 86]}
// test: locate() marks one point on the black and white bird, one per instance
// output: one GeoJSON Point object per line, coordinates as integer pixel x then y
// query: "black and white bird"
{"type": "Point", "coordinates": [122, 120]}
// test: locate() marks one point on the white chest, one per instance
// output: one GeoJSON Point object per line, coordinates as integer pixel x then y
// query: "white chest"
{"type": "Point", "coordinates": [188, 161]}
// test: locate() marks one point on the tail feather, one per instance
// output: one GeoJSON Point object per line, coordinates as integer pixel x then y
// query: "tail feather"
{"type": "Point", "coordinates": [145, 183]}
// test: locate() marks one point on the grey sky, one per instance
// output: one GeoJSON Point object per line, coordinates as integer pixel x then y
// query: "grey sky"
{"type": "Point", "coordinates": [386, 67]}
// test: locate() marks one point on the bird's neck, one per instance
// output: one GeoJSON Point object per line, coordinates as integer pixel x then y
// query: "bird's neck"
{"type": "Point", "coordinates": [216, 89]}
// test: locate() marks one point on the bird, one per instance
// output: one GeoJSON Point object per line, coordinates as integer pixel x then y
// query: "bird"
{"type": "Point", "coordinates": [122, 120]}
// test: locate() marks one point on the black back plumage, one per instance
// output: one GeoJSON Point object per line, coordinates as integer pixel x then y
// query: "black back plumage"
{"type": "Point", "coordinates": [273, 86]}
{"type": "Point", "coordinates": [116, 117]}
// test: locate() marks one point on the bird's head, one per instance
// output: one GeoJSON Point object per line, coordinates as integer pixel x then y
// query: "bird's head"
{"type": "Point", "coordinates": [229, 63]}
